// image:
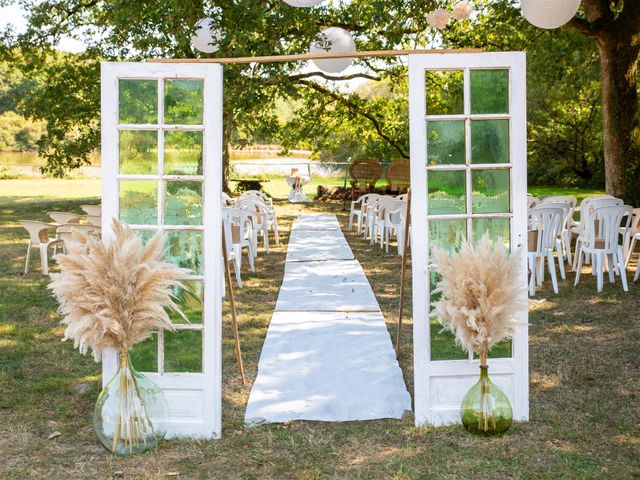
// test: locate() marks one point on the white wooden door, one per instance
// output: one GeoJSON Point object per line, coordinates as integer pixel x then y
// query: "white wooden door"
{"type": "Point", "coordinates": [162, 170]}
{"type": "Point", "coordinates": [468, 176]}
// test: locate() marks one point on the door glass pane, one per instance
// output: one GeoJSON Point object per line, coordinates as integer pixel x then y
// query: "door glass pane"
{"type": "Point", "coordinates": [497, 228]}
{"type": "Point", "coordinates": [184, 248]}
{"type": "Point", "coordinates": [445, 142]}
{"type": "Point", "coordinates": [489, 91]}
{"type": "Point", "coordinates": [138, 152]}
{"type": "Point", "coordinates": [183, 153]}
{"type": "Point", "coordinates": [183, 102]}
{"type": "Point", "coordinates": [446, 192]}
{"type": "Point", "coordinates": [183, 351]}
{"type": "Point", "coordinates": [447, 234]}
{"type": "Point", "coordinates": [144, 355]}
{"type": "Point", "coordinates": [139, 202]}
{"type": "Point", "coordinates": [183, 203]}
{"type": "Point", "coordinates": [189, 300]}
{"type": "Point", "coordinates": [444, 92]}
{"type": "Point", "coordinates": [443, 343]}
{"type": "Point", "coordinates": [490, 141]}
{"type": "Point", "coordinates": [490, 191]}
{"type": "Point", "coordinates": [138, 101]}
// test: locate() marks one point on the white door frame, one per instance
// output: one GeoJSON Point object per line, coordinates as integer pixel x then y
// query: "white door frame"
{"type": "Point", "coordinates": [440, 385]}
{"type": "Point", "coordinates": [194, 398]}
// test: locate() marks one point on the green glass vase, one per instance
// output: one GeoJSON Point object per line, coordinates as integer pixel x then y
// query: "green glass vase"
{"type": "Point", "coordinates": [485, 409]}
{"type": "Point", "coordinates": [131, 414]}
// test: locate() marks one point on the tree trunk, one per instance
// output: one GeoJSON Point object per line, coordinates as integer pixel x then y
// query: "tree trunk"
{"type": "Point", "coordinates": [621, 124]}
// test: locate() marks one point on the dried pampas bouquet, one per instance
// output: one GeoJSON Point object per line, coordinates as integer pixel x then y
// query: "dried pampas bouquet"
{"type": "Point", "coordinates": [114, 295]}
{"type": "Point", "coordinates": [481, 294]}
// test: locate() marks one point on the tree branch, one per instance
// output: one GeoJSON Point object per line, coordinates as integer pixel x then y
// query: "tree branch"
{"type": "Point", "coordinates": [357, 110]}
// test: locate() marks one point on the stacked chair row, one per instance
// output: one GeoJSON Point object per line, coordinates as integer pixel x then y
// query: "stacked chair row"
{"type": "Point", "coordinates": [43, 235]}
{"type": "Point", "coordinates": [605, 236]}
{"type": "Point", "coordinates": [379, 218]}
{"type": "Point", "coordinates": [244, 219]}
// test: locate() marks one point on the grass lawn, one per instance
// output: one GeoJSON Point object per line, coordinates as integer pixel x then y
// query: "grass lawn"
{"type": "Point", "coordinates": [584, 384]}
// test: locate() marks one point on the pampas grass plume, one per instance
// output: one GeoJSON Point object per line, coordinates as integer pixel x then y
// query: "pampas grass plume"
{"type": "Point", "coordinates": [482, 294]}
{"type": "Point", "coordinates": [114, 294]}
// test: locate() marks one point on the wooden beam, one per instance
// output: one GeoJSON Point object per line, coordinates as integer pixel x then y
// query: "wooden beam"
{"type": "Point", "coordinates": [313, 56]}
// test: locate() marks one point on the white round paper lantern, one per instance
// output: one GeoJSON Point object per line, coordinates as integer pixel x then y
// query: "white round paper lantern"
{"type": "Point", "coordinates": [207, 40]}
{"type": "Point", "coordinates": [549, 13]}
{"type": "Point", "coordinates": [333, 40]}
{"type": "Point", "coordinates": [303, 3]}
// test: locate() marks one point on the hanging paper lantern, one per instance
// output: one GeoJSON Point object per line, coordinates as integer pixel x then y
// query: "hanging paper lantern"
{"type": "Point", "coordinates": [439, 18]}
{"type": "Point", "coordinates": [462, 10]}
{"type": "Point", "coordinates": [333, 40]}
{"type": "Point", "coordinates": [303, 3]}
{"type": "Point", "coordinates": [206, 40]}
{"type": "Point", "coordinates": [549, 13]}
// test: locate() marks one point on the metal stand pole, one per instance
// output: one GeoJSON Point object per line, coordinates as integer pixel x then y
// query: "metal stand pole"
{"type": "Point", "coordinates": [232, 303]}
{"type": "Point", "coordinates": [405, 248]}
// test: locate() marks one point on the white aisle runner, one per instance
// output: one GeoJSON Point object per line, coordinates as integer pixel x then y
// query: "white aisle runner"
{"type": "Point", "coordinates": [327, 355]}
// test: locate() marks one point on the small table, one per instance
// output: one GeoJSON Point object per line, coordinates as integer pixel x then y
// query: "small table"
{"type": "Point", "coordinates": [244, 184]}
{"type": "Point", "coordinates": [296, 183]}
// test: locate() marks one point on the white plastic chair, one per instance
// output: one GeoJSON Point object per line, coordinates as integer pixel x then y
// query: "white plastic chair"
{"type": "Point", "coordinates": [92, 209]}
{"type": "Point", "coordinates": [358, 213]}
{"type": "Point", "coordinates": [565, 235]}
{"type": "Point", "coordinates": [547, 222]}
{"type": "Point", "coordinates": [39, 238]}
{"type": "Point", "coordinates": [382, 226]}
{"type": "Point", "coordinates": [95, 220]}
{"type": "Point", "coordinates": [237, 230]}
{"type": "Point", "coordinates": [586, 210]}
{"type": "Point", "coordinates": [62, 218]}
{"type": "Point", "coordinates": [632, 236]}
{"type": "Point", "coordinates": [601, 241]}
{"type": "Point", "coordinates": [395, 217]}
{"type": "Point", "coordinates": [259, 217]}
{"type": "Point", "coordinates": [271, 210]}
{"type": "Point", "coordinates": [531, 201]}
{"type": "Point", "coordinates": [227, 201]}
{"type": "Point", "coordinates": [373, 217]}
{"type": "Point", "coordinates": [559, 244]}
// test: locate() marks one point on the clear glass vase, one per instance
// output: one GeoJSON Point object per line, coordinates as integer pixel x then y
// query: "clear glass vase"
{"type": "Point", "coordinates": [131, 414]}
{"type": "Point", "coordinates": [486, 410]}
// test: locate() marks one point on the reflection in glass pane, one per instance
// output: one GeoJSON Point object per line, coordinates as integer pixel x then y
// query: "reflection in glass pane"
{"type": "Point", "coordinates": [139, 202]}
{"type": "Point", "coordinates": [138, 101]}
{"type": "Point", "coordinates": [183, 102]}
{"type": "Point", "coordinates": [446, 192]}
{"type": "Point", "coordinates": [183, 203]}
{"type": "Point", "coordinates": [183, 351]}
{"type": "Point", "coordinates": [189, 300]}
{"type": "Point", "coordinates": [501, 349]}
{"type": "Point", "coordinates": [184, 248]}
{"type": "Point", "coordinates": [490, 141]}
{"type": "Point", "coordinates": [144, 355]}
{"type": "Point", "coordinates": [145, 235]}
{"type": "Point", "coordinates": [444, 92]}
{"type": "Point", "coordinates": [497, 228]}
{"type": "Point", "coordinates": [183, 153]}
{"type": "Point", "coordinates": [138, 152]}
{"type": "Point", "coordinates": [490, 191]}
{"type": "Point", "coordinates": [489, 91]}
{"type": "Point", "coordinates": [445, 142]}
{"type": "Point", "coordinates": [443, 343]}
{"type": "Point", "coordinates": [447, 234]}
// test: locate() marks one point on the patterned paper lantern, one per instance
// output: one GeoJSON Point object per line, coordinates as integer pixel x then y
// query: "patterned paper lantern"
{"type": "Point", "coordinates": [206, 40]}
{"type": "Point", "coordinates": [333, 40]}
{"type": "Point", "coordinates": [549, 13]}
{"type": "Point", "coordinates": [303, 3]}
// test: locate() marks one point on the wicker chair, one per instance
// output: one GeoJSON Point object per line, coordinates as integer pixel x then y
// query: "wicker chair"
{"type": "Point", "coordinates": [398, 176]}
{"type": "Point", "coordinates": [364, 174]}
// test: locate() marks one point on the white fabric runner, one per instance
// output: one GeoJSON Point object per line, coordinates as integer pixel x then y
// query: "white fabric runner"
{"type": "Point", "coordinates": [307, 245]}
{"type": "Point", "coordinates": [327, 355]}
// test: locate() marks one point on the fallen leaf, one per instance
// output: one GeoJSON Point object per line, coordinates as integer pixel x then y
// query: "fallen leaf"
{"type": "Point", "coordinates": [54, 435]}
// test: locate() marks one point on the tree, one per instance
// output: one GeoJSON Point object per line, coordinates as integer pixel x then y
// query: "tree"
{"type": "Point", "coordinates": [614, 26]}
{"type": "Point", "coordinates": [138, 29]}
